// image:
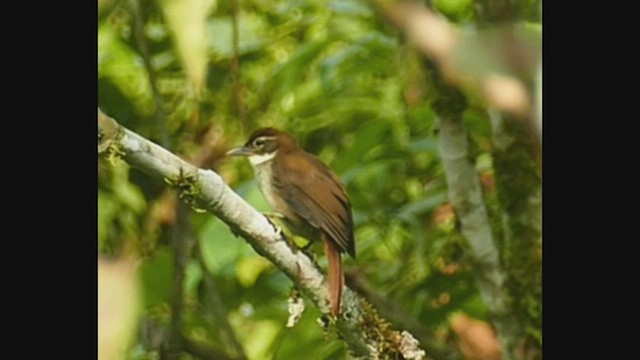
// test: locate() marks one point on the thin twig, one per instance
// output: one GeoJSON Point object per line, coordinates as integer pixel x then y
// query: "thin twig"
{"type": "Point", "coordinates": [235, 66]}
{"type": "Point", "coordinates": [141, 44]}
{"type": "Point", "coordinates": [182, 242]}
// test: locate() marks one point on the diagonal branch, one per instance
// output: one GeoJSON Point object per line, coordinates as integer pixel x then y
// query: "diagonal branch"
{"type": "Point", "coordinates": [366, 334]}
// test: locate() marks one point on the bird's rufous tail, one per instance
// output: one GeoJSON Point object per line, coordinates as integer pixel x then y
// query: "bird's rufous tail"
{"type": "Point", "coordinates": [335, 275]}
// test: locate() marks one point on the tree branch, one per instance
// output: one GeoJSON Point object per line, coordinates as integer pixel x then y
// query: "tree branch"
{"type": "Point", "coordinates": [517, 163]}
{"type": "Point", "coordinates": [519, 186]}
{"type": "Point", "coordinates": [364, 332]}
{"type": "Point", "coordinates": [466, 196]}
{"type": "Point", "coordinates": [182, 240]}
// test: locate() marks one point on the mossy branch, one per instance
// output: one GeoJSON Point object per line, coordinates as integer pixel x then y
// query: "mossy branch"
{"type": "Point", "coordinates": [466, 196]}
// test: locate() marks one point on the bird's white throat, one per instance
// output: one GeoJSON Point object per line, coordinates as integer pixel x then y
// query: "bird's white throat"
{"type": "Point", "coordinates": [259, 159]}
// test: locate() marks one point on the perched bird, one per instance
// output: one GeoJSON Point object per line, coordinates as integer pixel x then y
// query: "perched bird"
{"type": "Point", "coordinates": [307, 194]}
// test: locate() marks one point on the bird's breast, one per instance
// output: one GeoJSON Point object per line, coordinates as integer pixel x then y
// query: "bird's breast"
{"type": "Point", "coordinates": [263, 175]}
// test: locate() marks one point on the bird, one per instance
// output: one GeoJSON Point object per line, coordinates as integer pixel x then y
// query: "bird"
{"type": "Point", "coordinates": [309, 196]}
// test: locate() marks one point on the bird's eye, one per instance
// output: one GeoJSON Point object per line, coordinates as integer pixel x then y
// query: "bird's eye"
{"type": "Point", "coordinates": [259, 142]}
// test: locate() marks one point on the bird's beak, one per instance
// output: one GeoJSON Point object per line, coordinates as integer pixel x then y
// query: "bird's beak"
{"type": "Point", "coordinates": [241, 151]}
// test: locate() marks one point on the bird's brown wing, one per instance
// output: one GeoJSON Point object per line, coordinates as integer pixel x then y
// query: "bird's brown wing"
{"type": "Point", "coordinates": [316, 195]}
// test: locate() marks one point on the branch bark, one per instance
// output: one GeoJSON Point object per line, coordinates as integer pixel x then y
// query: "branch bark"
{"type": "Point", "coordinates": [519, 186]}
{"type": "Point", "coordinates": [517, 163]}
{"type": "Point", "coordinates": [365, 334]}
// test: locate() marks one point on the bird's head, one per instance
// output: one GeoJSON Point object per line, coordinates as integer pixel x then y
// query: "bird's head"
{"type": "Point", "coordinates": [264, 144]}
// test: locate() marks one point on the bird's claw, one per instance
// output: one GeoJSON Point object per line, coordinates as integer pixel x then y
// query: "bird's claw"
{"type": "Point", "coordinates": [271, 218]}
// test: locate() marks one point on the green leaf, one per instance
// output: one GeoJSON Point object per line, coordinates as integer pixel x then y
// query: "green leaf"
{"type": "Point", "coordinates": [423, 145]}
{"type": "Point", "coordinates": [107, 212]}
{"type": "Point", "coordinates": [124, 68]}
{"type": "Point", "coordinates": [220, 248]}
{"type": "Point", "coordinates": [249, 268]}
{"type": "Point", "coordinates": [187, 20]}
{"type": "Point", "coordinates": [285, 77]}
{"type": "Point", "coordinates": [126, 192]}
{"type": "Point", "coordinates": [258, 337]}
{"type": "Point", "coordinates": [370, 54]}
{"type": "Point", "coordinates": [157, 278]}
{"type": "Point", "coordinates": [452, 7]}
{"type": "Point", "coordinates": [475, 307]}
{"type": "Point", "coordinates": [371, 135]}
{"type": "Point", "coordinates": [251, 35]}
{"type": "Point", "coordinates": [411, 212]}
{"type": "Point", "coordinates": [351, 8]}
{"type": "Point", "coordinates": [192, 277]}
{"type": "Point", "coordinates": [252, 194]}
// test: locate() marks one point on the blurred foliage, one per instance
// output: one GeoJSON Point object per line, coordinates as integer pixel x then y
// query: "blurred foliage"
{"type": "Point", "coordinates": [344, 83]}
{"type": "Point", "coordinates": [118, 305]}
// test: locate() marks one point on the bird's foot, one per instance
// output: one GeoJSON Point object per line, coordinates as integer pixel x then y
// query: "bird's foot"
{"type": "Point", "coordinates": [274, 219]}
{"type": "Point", "coordinates": [306, 250]}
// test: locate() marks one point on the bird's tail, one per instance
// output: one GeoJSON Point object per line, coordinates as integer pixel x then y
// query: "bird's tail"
{"type": "Point", "coordinates": [335, 275]}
